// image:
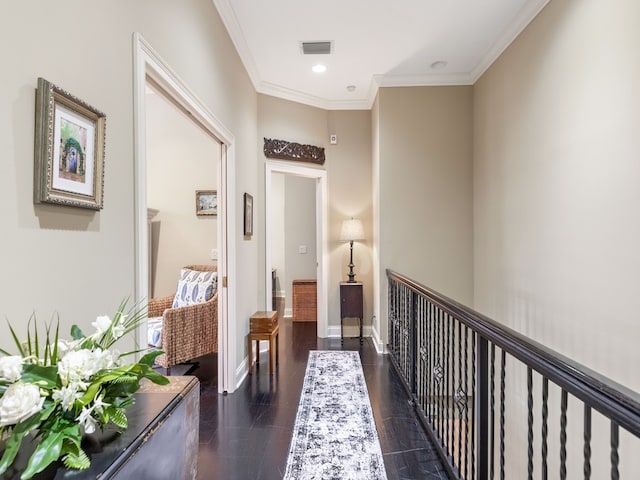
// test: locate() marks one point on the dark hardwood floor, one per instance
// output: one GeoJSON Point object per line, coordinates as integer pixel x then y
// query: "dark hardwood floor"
{"type": "Point", "coordinates": [246, 434]}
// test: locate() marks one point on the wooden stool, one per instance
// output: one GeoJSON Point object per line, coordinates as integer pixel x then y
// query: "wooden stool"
{"type": "Point", "coordinates": [264, 326]}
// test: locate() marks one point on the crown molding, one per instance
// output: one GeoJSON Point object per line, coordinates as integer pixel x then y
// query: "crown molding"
{"type": "Point", "coordinates": [422, 80]}
{"type": "Point", "coordinates": [531, 10]}
{"type": "Point", "coordinates": [285, 93]}
{"type": "Point", "coordinates": [230, 21]}
{"type": "Point", "coordinates": [515, 28]}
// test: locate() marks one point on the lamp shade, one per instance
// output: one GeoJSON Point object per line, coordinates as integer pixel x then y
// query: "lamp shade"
{"type": "Point", "coordinates": [352, 230]}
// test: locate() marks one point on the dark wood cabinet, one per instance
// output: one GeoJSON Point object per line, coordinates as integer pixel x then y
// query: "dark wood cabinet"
{"type": "Point", "coordinates": [351, 304]}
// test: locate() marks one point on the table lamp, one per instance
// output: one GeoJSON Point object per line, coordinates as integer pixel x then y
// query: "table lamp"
{"type": "Point", "coordinates": [351, 231]}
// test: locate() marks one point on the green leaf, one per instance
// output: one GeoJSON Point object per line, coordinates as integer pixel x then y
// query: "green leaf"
{"type": "Point", "coordinates": [150, 357]}
{"type": "Point", "coordinates": [54, 355]}
{"type": "Point", "coordinates": [16, 341]}
{"type": "Point", "coordinates": [48, 408]}
{"type": "Point", "coordinates": [134, 352]}
{"type": "Point", "coordinates": [55, 433]}
{"type": "Point", "coordinates": [156, 378]}
{"type": "Point", "coordinates": [100, 379]}
{"type": "Point", "coordinates": [45, 377]}
{"type": "Point", "coordinates": [118, 417]}
{"type": "Point", "coordinates": [35, 332]}
{"type": "Point", "coordinates": [29, 346]}
{"type": "Point", "coordinates": [51, 348]}
{"type": "Point", "coordinates": [47, 451]}
{"type": "Point", "coordinates": [121, 389]}
{"type": "Point", "coordinates": [11, 450]}
{"type": "Point", "coordinates": [76, 333]}
{"type": "Point", "coordinates": [79, 460]}
{"type": "Point", "coordinates": [125, 378]}
{"type": "Point", "coordinates": [72, 443]}
{"type": "Point", "coordinates": [131, 319]}
{"type": "Point", "coordinates": [89, 344]}
{"type": "Point", "coordinates": [15, 439]}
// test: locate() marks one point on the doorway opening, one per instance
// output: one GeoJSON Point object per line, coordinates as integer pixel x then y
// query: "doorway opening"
{"type": "Point", "coordinates": [150, 69]}
{"type": "Point", "coordinates": [182, 166]}
{"type": "Point", "coordinates": [274, 167]}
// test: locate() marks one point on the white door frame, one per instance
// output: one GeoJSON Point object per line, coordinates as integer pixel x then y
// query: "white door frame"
{"type": "Point", "coordinates": [320, 175]}
{"type": "Point", "coordinates": [148, 64]}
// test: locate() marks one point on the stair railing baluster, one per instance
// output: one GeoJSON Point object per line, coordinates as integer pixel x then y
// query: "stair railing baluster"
{"type": "Point", "coordinates": [428, 344]}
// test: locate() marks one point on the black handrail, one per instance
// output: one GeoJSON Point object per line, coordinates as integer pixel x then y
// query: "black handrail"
{"type": "Point", "coordinates": [618, 403]}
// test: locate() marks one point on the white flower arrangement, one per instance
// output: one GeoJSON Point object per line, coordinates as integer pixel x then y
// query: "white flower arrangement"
{"type": "Point", "coordinates": [67, 389]}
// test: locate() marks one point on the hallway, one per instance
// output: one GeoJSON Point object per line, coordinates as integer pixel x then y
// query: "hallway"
{"type": "Point", "coordinates": [246, 435]}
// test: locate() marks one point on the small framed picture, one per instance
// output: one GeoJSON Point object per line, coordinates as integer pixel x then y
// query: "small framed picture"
{"type": "Point", "coordinates": [206, 202]}
{"type": "Point", "coordinates": [69, 149]}
{"type": "Point", "coordinates": [248, 215]}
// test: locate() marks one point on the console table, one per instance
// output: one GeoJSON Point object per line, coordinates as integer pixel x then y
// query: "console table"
{"type": "Point", "coordinates": [161, 441]}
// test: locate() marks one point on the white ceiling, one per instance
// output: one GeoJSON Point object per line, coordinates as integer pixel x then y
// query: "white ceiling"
{"type": "Point", "coordinates": [375, 43]}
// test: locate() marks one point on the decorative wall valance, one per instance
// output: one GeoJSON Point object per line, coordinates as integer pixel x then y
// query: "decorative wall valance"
{"type": "Point", "coordinates": [283, 150]}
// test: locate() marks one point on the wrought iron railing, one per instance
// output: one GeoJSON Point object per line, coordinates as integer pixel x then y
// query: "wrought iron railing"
{"type": "Point", "coordinates": [499, 405]}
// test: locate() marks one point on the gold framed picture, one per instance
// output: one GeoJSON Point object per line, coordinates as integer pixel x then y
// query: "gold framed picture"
{"type": "Point", "coordinates": [69, 149]}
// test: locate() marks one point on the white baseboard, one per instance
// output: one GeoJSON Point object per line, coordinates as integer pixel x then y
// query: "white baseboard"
{"type": "Point", "coordinates": [350, 331]}
{"type": "Point", "coordinates": [241, 372]}
{"type": "Point", "coordinates": [377, 341]}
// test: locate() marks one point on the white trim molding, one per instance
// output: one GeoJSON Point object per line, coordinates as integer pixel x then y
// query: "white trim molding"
{"type": "Point", "coordinates": [320, 175]}
{"type": "Point", "coordinates": [149, 65]}
{"type": "Point", "coordinates": [531, 9]}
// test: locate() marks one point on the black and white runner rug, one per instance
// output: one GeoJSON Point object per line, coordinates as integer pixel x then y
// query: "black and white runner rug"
{"type": "Point", "coordinates": [334, 436]}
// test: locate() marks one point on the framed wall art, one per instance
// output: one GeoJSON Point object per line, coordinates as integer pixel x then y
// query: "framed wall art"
{"type": "Point", "coordinates": [69, 149]}
{"type": "Point", "coordinates": [248, 215]}
{"type": "Point", "coordinates": [206, 202]}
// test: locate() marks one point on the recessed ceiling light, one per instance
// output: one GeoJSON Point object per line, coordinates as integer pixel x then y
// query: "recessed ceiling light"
{"type": "Point", "coordinates": [319, 68]}
{"type": "Point", "coordinates": [437, 65]}
{"type": "Point", "coordinates": [351, 88]}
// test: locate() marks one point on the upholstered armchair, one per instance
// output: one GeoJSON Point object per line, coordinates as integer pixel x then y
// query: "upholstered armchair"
{"type": "Point", "coordinates": [187, 331]}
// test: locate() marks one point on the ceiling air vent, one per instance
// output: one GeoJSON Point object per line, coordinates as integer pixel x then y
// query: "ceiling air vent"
{"type": "Point", "coordinates": [316, 48]}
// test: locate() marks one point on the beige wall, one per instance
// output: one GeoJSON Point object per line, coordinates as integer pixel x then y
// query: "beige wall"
{"type": "Point", "coordinates": [349, 179]}
{"type": "Point", "coordinates": [78, 262]}
{"type": "Point", "coordinates": [556, 185]}
{"type": "Point", "coordinates": [284, 120]}
{"type": "Point", "coordinates": [425, 188]}
{"type": "Point", "coordinates": [181, 158]}
{"type": "Point", "coordinates": [348, 166]}
{"type": "Point", "coordinates": [299, 230]}
{"type": "Point", "coordinates": [556, 198]}
{"type": "Point", "coordinates": [293, 223]}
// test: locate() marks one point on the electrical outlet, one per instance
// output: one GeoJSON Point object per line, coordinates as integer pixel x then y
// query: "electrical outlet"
{"type": "Point", "coordinates": [214, 254]}
{"type": "Point", "coordinates": [302, 249]}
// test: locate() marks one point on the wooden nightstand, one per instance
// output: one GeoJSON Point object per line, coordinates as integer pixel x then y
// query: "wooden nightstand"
{"type": "Point", "coordinates": [351, 304]}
